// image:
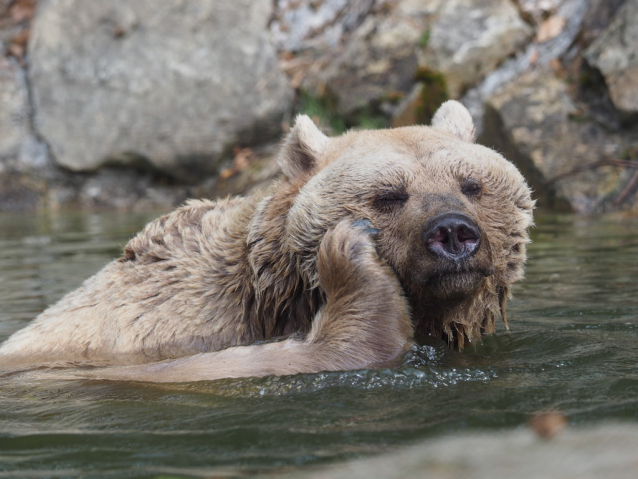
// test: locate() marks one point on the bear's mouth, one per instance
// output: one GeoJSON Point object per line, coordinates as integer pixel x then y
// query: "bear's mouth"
{"type": "Point", "coordinates": [455, 284]}
{"type": "Point", "coordinates": [448, 280]}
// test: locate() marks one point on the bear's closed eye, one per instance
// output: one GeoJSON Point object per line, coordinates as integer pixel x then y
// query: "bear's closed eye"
{"type": "Point", "coordinates": [471, 188]}
{"type": "Point", "coordinates": [391, 198]}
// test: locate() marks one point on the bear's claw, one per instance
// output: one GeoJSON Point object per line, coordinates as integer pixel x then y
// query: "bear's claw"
{"type": "Point", "coordinates": [366, 225]}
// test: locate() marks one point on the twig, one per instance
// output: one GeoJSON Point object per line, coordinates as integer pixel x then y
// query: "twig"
{"type": "Point", "coordinates": [627, 190]}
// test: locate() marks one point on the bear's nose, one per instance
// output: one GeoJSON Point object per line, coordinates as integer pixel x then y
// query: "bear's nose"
{"type": "Point", "coordinates": [452, 235]}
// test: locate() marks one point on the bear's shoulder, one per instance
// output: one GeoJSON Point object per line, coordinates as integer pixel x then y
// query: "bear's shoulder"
{"type": "Point", "coordinates": [184, 229]}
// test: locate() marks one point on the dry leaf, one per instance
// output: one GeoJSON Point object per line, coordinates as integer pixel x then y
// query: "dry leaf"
{"type": "Point", "coordinates": [22, 10]}
{"type": "Point", "coordinates": [548, 424]}
{"type": "Point", "coordinates": [241, 160]}
{"type": "Point", "coordinates": [550, 28]}
{"type": "Point", "coordinates": [18, 44]}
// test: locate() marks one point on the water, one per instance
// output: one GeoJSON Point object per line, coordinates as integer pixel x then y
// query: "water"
{"type": "Point", "coordinates": [572, 348]}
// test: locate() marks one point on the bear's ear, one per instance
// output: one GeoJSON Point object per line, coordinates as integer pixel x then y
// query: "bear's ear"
{"type": "Point", "coordinates": [454, 118]}
{"type": "Point", "coordinates": [302, 148]}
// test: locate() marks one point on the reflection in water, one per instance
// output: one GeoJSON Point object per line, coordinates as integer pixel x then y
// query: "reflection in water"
{"type": "Point", "coordinates": [572, 347]}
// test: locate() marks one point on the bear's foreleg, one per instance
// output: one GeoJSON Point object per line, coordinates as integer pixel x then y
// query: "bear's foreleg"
{"type": "Point", "coordinates": [366, 319]}
{"type": "Point", "coordinates": [365, 323]}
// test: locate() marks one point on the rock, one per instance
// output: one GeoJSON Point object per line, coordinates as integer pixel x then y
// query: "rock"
{"type": "Point", "coordinates": [379, 58]}
{"type": "Point", "coordinates": [169, 84]}
{"type": "Point", "coordinates": [257, 176]}
{"type": "Point", "coordinates": [14, 113]}
{"type": "Point", "coordinates": [614, 53]}
{"type": "Point", "coordinates": [603, 450]}
{"type": "Point", "coordinates": [408, 112]}
{"type": "Point", "coordinates": [24, 160]}
{"type": "Point", "coordinates": [538, 10]}
{"type": "Point", "coordinates": [20, 192]}
{"type": "Point", "coordinates": [20, 150]}
{"type": "Point", "coordinates": [600, 14]}
{"type": "Point", "coordinates": [29, 182]}
{"type": "Point", "coordinates": [469, 38]}
{"type": "Point", "coordinates": [419, 106]}
{"type": "Point", "coordinates": [112, 187]}
{"type": "Point", "coordinates": [552, 51]}
{"type": "Point", "coordinates": [461, 39]}
{"type": "Point", "coordinates": [126, 190]}
{"type": "Point", "coordinates": [302, 24]}
{"type": "Point", "coordinates": [535, 124]}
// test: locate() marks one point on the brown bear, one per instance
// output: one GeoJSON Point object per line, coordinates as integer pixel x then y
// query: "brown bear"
{"type": "Point", "coordinates": [371, 239]}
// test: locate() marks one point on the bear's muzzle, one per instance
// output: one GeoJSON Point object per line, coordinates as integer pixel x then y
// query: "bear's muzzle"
{"type": "Point", "coordinates": [452, 236]}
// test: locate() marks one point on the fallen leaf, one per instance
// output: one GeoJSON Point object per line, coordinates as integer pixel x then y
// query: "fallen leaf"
{"type": "Point", "coordinates": [241, 160]}
{"type": "Point", "coordinates": [550, 28]}
{"type": "Point", "coordinates": [22, 10]}
{"type": "Point", "coordinates": [18, 44]}
{"type": "Point", "coordinates": [548, 424]}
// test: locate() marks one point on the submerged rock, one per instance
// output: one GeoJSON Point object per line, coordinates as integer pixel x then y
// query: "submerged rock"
{"type": "Point", "coordinates": [615, 54]}
{"type": "Point", "coordinates": [171, 85]}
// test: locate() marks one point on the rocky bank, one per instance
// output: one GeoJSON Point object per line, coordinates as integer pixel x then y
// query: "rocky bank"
{"type": "Point", "coordinates": [140, 105]}
{"type": "Point", "coordinates": [606, 450]}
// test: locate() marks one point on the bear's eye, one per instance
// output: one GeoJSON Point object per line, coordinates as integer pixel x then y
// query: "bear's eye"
{"type": "Point", "coordinates": [471, 188]}
{"type": "Point", "coordinates": [391, 199]}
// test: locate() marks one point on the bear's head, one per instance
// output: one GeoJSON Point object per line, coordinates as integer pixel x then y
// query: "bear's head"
{"type": "Point", "coordinates": [453, 215]}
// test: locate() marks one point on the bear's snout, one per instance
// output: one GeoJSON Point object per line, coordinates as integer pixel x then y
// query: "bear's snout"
{"type": "Point", "coordinates": [452, 236]}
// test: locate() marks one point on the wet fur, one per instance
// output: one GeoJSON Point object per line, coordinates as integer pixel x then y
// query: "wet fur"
{"type": "Point", "coordinates": [198, 287]}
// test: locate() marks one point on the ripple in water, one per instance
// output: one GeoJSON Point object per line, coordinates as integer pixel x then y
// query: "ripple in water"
{"type": "Point", "coordinates": [572, 347]}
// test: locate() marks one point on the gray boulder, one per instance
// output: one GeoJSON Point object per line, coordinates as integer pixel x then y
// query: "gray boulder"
{"type": "Point", "coordinates": [303, 24]}
{"type": "Point", "coordinates": [23, 158]}
{"type": "Point", "coordinates": [469, 38]}
{"type": "Point", "coordinates": [379, 58]}
{"type": "Point", "coordinates": [170, 84]}
{"type": "Point", "coordinates": [571, 162]}
{"type": "Point", "coordinates": [461, 39]}
{"type": "Point", "coordinates": [14, 113]}
{"type": "Point", "coordinates": [615, 54]}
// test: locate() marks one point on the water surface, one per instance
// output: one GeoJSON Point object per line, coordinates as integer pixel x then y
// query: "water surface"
{"type": "Point", "coordinates": [572, 347]}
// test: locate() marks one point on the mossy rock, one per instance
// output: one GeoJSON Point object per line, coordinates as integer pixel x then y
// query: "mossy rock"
{"type": "Point", "coordinates": [428, 94]}
{"type": "Point", "coordinates": [323, 111]}
{"type": "Point", "coordinates": [433, 94]}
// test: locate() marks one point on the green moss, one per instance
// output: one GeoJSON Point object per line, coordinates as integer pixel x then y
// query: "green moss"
{"type": "Point", "coordinates": [392, 97]}
{"type": "Point", "coordinates": [577, 117]}
{"type": "Point", "coordinates": [586, 80]}
{"type": "Point", "coordinates": [425, 39]}
{"type": "Point", "coordinates": [433, 94]}
{"type": "Point", "coordinates": [322, 110]}
{"type": "Point", "coordinates": [629, 153]}
{"type": "Point", "coordinates": [591, 80]}
{"type": "Point", "coordinates": [368, 119]}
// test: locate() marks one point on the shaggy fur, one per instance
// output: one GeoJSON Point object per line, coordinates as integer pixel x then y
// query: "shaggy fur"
{"type": "Point", "coordinates": [207, 281]}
